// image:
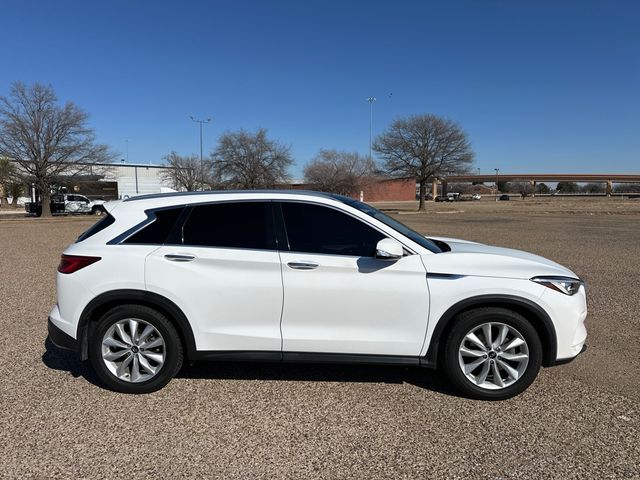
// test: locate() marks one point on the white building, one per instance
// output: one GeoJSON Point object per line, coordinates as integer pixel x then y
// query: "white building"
{"type": "Point", "coordinates": [134, 178]}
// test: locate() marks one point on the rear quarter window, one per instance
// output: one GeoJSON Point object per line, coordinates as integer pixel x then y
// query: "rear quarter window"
{"type": "Point", "coordinates": [157, 232]}
{"type": "Point", "coordinates": [100, 225]}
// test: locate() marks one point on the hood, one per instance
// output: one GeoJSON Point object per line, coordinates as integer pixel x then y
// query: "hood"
{"type": "Point", "coordinates": [471, 258]}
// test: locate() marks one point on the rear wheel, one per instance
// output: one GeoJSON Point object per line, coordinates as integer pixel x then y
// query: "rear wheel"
{"type": "Point", "coordinates": [135, 349]}
{"type": "Point", "coordinates": [492, 353]}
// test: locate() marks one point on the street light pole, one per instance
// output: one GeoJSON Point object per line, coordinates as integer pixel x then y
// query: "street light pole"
{"type": "Point", "coordinates": [371, 100]}
{"type": "Point", "coordinates": [201, 160]}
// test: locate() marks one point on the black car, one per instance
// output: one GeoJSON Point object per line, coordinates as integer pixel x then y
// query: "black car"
{"type": "Point", "coordinates": [504, 197]}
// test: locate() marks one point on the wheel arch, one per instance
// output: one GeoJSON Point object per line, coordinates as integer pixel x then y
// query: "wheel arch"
{"type": "Point", "coordinates": [108, 300]}
{"type": "Point", "coordinates": [533, 312]}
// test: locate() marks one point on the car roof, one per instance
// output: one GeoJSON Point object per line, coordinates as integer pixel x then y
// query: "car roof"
{"type": "Point", "coordinates": [188, 195]}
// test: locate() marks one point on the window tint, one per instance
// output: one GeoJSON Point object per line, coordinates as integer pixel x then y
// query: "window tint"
{"type": "Point", "coordinates": [101, 224]}
{"type": "Point", "coordinates": [390, 222]}
{"type": "Point", "coordinates": [318, 229]}
{"type": "Point", "coordinates": [231, 225]}
{"type": "Point", "coordinates": [157, 231]}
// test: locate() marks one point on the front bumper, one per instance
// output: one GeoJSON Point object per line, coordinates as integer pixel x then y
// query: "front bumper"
{"type": "Point", "coordinates": [60, 339]}
{"type": "Point", "coordinates": [563, 361]}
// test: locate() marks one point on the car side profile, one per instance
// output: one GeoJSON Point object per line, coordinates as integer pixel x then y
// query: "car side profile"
{"type": "Point", "coordinates": [305, 277]}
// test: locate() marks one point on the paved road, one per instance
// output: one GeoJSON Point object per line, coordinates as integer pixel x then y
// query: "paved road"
{"type": "Point", "coordinates": [262, 421]}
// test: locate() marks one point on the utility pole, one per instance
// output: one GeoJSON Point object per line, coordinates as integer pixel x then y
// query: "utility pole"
{"type": "Point", "coordinates": [371, 100]}
{"type": "Point", "coordinates": [497, 170]}
{"type": "Point", "coordinates": [201, 160]}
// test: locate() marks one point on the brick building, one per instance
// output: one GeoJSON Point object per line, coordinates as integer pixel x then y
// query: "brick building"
{"type": "Point", "coordinates": [377, 190]}
{"type": "Point", "coordinates": [389, 190]}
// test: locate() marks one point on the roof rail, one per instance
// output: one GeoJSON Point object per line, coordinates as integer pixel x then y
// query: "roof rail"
{"type": "Point", "coordinates": [222, 192]}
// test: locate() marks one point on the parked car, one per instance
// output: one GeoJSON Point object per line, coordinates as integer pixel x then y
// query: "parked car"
{"type": "Point", "coordinates": [75, 203]}
{"type": "Point", "coordinates": [56, 205]}
{"type": "Point", "coordinates": [504, 197]}
{"type": "Point", "coordinates": [67, 204]}
{"type": "Point", "coordinates": [293, 276]}
{"type": "Point", "coordinates": [476, 196]}
{"type": "Point", "coordinates": [444, 198]}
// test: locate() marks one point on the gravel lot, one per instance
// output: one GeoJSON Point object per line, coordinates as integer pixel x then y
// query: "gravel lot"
{"type": "Point", "coordinates": [580, 420]}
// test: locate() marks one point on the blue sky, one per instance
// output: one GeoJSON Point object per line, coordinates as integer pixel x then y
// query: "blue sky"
{"type": "Point", "coordinates": [539, 86]}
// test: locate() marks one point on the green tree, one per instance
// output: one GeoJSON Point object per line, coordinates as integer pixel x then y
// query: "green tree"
{"type": "Point", "coordinates": [593, 188]}
{"type": "Point", "coordinates": [567, 187]}
{"type": "Point", "coordinates": [11, 182]}
{"type": "Point", "coordinates": [542, 188]}
{"type": "Point", "coordinates": [504, 186]}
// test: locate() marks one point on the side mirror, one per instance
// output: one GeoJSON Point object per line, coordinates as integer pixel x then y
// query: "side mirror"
{"type": "Point", "coordinates": [389, 249]}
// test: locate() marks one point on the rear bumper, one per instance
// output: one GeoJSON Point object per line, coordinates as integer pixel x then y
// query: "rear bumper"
{"type": "Point", "coordinates": [60, 339]}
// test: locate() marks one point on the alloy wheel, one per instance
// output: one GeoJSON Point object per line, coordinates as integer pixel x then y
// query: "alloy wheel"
{"type": "Point", "coordinates": [133, 350]}
{"type": "Point", "coordinates": [493, 355]}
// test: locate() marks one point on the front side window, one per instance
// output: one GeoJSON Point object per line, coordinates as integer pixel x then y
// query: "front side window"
{"type": "Point", "coordinates": [318, 229]}
{"type": "Point", "coordinates": [230, 225]}
{"type": "Point", "coordinates": [390, 222]}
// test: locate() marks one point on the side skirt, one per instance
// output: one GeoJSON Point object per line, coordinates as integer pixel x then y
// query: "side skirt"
{"type": "Point", "coordinates": [306, 357]}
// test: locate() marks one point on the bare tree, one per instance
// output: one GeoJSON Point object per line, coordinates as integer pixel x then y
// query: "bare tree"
{"type": "Point", "coordinates": [45, 139]}
{"type": "Point", "coordinates": [185, 173]}
{"type": "Point", "coordinates": [338, 172]}
{"type": "Point", "coordinates": [424, 147]}
{"type": "Point", "coordinates": [250, 160]}
{"type": "Point", "coordinates": [523, 188]}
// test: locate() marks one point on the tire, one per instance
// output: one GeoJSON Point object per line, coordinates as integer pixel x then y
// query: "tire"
{"type": "Point", "coordinates": [97, 211]}
{"type": "Point", "coordinates": [487, 383]}
{"type": "Point", "coordinates": [153, 359]}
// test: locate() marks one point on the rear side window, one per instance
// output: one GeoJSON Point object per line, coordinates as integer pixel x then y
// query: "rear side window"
{"type": "Point", "coordinates": [230, 225]}
{"type": "Point", "coordinates": [101, 224]}
{"type": "Point", "coordinates": [318, 229]}
{"type": "Point", "coordinates": [156, 232]}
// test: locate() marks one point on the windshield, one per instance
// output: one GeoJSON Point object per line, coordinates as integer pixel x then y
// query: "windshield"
{"type": "Point", "coordinates": [390, 222]}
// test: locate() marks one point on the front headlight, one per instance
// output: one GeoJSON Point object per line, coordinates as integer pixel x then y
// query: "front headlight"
{"type": "Point", "coordinates": [566, 285]}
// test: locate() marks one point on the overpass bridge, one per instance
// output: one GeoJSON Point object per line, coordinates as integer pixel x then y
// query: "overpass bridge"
{"type": "Point", "coordinates": [533, 178]}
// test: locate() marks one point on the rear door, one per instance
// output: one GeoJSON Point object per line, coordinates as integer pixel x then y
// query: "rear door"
{"type": "Point", "coordinates": [223, 270]}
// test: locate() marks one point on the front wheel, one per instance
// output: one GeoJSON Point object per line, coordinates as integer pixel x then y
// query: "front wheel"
{"type": "Point", "coordinates": [492, 353]}
{"type": "Point", "coordinates": [135, 349]}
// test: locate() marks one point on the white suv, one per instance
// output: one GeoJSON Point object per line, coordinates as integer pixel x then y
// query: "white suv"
{"type": "Point", "coordinates": [305, 277]}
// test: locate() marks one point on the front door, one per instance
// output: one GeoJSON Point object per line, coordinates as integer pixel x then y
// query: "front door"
{"type": "Point", "coordinates": [338, 298]}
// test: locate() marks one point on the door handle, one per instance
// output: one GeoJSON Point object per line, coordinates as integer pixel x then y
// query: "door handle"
{"type": "Point", "coordinates": [303, 265]}
{"type": "Point", "coordinates": [179, 257]}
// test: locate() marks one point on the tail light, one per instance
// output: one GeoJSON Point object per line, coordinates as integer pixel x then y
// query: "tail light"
{"type": "Point", "coordinates": [73, 263]}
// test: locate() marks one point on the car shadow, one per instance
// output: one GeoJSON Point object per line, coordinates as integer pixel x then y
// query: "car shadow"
{"type": "Point", "coordinates": [309, 372]}
{"type": "Point", "coordinates": [64, 360]}
{"type": "Point", "coordinates": [57, 358]}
